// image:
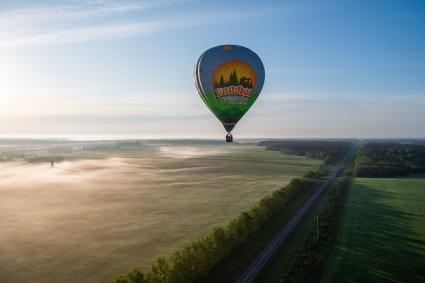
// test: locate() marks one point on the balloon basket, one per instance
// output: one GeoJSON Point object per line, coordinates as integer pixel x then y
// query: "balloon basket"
{"type": "Point", "coordinates": [229, 137]}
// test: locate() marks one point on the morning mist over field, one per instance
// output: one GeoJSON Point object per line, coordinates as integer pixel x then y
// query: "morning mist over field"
{"type": "Point", "coordinates": [103, 211]}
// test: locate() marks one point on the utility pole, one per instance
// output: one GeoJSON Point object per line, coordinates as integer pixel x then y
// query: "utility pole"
{"type": "Point", "coordinates": [317, 229]}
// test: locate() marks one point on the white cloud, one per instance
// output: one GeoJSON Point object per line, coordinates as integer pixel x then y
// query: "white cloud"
{"type": "Point", "coordinates": [51, 25]}
{"type": "Point", "coordinates": [93, 33]}
{"type": "Point", "coordinates": [43, 14]}
{"type": "Point", "coordinates": [80, 21]}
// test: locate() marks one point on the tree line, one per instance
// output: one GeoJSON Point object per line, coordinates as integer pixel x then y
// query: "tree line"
{"type": "Point", "coordinates": [310, 261]}
{"type": "Point", "coordinates": [379, 159]}
{"type": "Point", "coordinates": [329, 151]}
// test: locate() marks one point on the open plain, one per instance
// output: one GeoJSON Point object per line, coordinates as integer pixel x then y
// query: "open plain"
{"type": "Point", "coordinates": [97, 213]}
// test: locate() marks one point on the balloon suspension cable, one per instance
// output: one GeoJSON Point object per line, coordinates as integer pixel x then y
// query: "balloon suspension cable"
{"type": "Point", "coordinates": [229, 137]}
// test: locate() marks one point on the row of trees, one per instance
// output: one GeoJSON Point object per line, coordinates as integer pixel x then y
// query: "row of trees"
{"type": "Point", "coordinates": [389, 159]}
{"type": "Point", "coordinates": [311, 259]}
{"type": "Point", "coordinates": [197, 259]}
{"type": "Point", "coordinates": [329, 151]}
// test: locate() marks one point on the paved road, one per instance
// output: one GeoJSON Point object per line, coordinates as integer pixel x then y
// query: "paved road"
{"type": "Point", "coordinates": [255, 267]}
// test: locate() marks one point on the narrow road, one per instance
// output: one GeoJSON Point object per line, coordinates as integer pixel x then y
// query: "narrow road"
{"type": "Point", "coordinates": [264, 256]}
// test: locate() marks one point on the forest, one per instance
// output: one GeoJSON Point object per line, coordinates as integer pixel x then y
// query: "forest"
{"type": "Point", "coordinates": [384, 159]}
{"type": "Point", "coordinates": [329, 151]}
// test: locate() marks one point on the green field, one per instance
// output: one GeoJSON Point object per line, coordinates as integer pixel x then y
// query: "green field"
{"type": "Point", "coordinates": [102, 212]}
{"type": "Point", "coordinates": [382, 233]}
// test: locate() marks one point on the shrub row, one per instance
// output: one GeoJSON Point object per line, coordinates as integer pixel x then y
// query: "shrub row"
{"type": "Point", "coordinates": [379, 171]}
{"type": "Point", "coordinates": [321, 172]}
{"type": "Point", "coordinates": [196, 259]}
{"type": "Point", "coordinates": [310, 261]}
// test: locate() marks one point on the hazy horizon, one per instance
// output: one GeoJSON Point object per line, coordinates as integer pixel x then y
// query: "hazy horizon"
{"type": "Point", "coordinates": [207, 138]}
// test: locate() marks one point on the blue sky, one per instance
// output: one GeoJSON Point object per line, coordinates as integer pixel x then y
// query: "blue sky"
{"type": "Point", "coordinates": [124, 68]}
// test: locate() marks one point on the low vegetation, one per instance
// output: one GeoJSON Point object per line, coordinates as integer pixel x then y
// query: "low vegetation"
{"type": "Point", "coordinates": [389, 160]}
{"type": "Point", "coordinates": [311, 259]}
{"type": "Point", "coordinates": [381, 235]}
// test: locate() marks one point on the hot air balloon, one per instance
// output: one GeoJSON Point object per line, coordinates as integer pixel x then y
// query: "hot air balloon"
{"type": "Point", "coordinates": [229, 79]}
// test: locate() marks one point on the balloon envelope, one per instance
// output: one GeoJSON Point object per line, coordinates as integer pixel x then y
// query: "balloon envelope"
{"type": "Point", "coordinates": [229, 79]}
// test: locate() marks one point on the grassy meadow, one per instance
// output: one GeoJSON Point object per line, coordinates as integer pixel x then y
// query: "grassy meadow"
{"type": "Point", "coordinates": [382, 233]}
{"type": "Point", "coordinates": [101, 212]}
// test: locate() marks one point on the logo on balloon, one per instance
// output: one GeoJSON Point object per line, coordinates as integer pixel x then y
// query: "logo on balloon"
{"type": "Point", "coordinates": [234, 78]}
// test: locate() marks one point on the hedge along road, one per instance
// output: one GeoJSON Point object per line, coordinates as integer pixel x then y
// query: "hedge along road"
{"type": "Point", "coordinates": [264, 256]}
